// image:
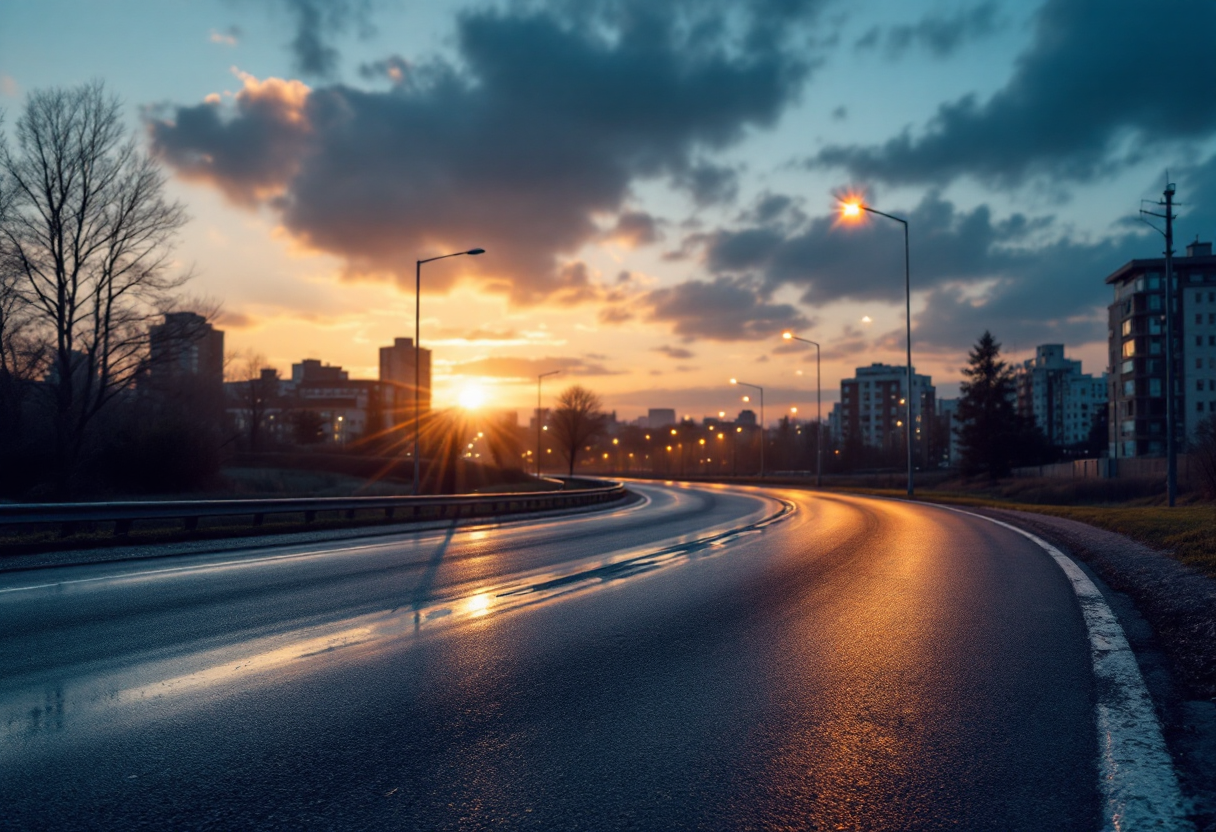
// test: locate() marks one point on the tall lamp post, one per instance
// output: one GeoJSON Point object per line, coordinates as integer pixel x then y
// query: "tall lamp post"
{"type": "Point", "coordinates": [789, 336]}
{"type": "Point", "coordinates": [538, 419]}
{"type": "Point", "coordinates": [418, 354]}
{"type": "Point", "coordinates": [851, 210]}
{"type": "Point", "coordinates": [761, 389]}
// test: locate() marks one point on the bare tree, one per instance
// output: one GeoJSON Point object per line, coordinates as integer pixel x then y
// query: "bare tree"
{"type": "Point", "coordinates": [90, 234]}
{"type": "Point", "coordinates": [577, 420]}
{"type": "Point", "coordinates": [259, 387]}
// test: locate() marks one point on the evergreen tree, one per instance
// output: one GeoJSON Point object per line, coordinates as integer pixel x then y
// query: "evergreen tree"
{"type": "Point", "coordinates": [989, 430]}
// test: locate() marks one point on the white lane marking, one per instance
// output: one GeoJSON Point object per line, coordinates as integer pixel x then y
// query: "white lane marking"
{"type": "Point", "coordinates": [1135, 772]}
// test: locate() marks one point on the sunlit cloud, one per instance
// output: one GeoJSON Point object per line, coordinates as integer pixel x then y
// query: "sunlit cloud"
{"type": "Point", "coordinates": [227, 37]}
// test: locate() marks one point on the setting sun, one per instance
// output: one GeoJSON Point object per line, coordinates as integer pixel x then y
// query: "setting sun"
{"type": "Point", "coordinates": [472, 397]}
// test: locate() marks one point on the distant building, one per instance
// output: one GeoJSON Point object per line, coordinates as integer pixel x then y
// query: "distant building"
{"type": "Point", "coordinates": [312, 371]}
{"type": "Point", "coordinates": [949, 450]}
{"type": "Point", "coordinates": [1136, 340]}
{"type": "Point", "coordinates": [872, 406]}
{"type": "Point", "coordinates": [1058, 398]}
{"type": "Point", "coordinates": [397, 371]}
{"type": "Point", "coordinates": [746, 418]}
{"type": "Point", "coordinates": [659, 417]}
{"type": "Point", "coordinates": [186, 348]}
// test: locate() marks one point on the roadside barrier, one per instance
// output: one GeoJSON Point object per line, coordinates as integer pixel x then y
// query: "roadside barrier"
{"type": "Point", "coordinates": [67, 516]}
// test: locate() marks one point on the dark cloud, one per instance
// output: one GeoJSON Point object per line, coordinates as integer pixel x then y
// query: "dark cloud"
{"type": "Point", "coordinates": [317, 23]}
{"type": "Point", "coordinates": [675, 352]}
{"type": "Point", "coordinates": [1019, 273]}
{"type": "Point", "coordinates": [1103, 83]}
{"type": "Point", "coordinates": [724, 309]}
{"type": "Point", "coordinates": [941, 33]}
{"type": "Point", "coordinates": [709, 184]}
{"type": "Point", "coordinates": [542, 127]}
{"type": "Point", "coordinates": [394, 69]}
{"type": "Point", "coordinates": [508, 367]}
{"type": "Point", "coordinates": [634, 229]}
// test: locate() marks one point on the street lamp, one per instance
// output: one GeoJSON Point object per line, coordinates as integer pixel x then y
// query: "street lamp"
{"type": "Point", "coordinates": [418, 353]}
{"type": "Point", "coordinates": [850, 210]}
{"type": "Point", "coordinates": [789, 336]}
{"type": "Point", "coordinates": [761, 389]}
{"type": "Point", "coordinates": [538, 419]}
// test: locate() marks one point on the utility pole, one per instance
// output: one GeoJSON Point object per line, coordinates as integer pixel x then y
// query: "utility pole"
{"type": "Point", "coordinates": [1171, 427]}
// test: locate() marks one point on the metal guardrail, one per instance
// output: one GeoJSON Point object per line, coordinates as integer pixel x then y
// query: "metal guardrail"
{"type": "Point", "coordinates": [124, 514]}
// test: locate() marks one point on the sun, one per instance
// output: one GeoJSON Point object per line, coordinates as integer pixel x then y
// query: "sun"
{"type": "Point", "coordinates": [472, 397]}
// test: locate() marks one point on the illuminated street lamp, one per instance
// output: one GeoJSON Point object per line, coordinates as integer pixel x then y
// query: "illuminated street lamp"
{"type": "Point", "coordinates": [851, 211]}
{"type": "Point", "coordinates": [538, 419]}
{"type": "Point", "coordinates": [761, 389]}
{"type": "Point", "coordinates": [789, 336]}
{"type": "Point", "coordinates": [418, 351]}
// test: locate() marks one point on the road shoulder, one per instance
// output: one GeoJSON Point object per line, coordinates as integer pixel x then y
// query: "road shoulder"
{"type": "Point", "coordinates": [1168, 612]}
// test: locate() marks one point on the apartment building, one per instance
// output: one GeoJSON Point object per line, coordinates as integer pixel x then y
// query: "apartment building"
{"type": "Point", "coordinates": [1136, 338]}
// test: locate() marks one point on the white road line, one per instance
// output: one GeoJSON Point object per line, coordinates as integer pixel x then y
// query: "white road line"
{"type": "Point", "coordinates": [1135, 772]}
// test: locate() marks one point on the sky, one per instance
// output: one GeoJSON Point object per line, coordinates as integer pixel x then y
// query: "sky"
{"type": "Point", "coordinates": [656, 185]}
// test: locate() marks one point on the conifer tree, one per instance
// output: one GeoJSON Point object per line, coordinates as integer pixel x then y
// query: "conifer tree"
{"type": "Point", "coordinates": [989, 430]}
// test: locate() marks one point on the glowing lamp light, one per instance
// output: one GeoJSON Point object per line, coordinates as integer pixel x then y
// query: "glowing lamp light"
{"type": "Point", "coordinates": [787, 335]}
{"type": "Point", "coordinates": [850, 209]}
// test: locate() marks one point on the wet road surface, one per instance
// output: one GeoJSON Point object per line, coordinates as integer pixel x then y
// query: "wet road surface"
{"type": "Point", "coordinates": [860, 664]}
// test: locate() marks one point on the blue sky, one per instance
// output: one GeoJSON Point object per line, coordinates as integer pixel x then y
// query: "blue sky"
{"type": "Point", "coordinates": [654, 183]}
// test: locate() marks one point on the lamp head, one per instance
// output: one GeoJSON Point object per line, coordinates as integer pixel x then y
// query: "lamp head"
{"type": "Point", "coordinates": [787, 335]}
{"type": "Point", "coordinates": [476, 251]}
{"type": "Point", "coordinates": [734, 381]}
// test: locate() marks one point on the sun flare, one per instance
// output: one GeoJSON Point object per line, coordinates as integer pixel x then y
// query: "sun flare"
{"type": "Point", "coordinates": [472, 397]}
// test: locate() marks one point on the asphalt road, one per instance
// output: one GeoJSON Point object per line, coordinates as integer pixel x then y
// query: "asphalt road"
{"type": "Point", "coordinates": [858, 664]}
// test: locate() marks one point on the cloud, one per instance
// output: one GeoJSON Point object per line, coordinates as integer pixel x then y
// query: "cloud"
{"type": "Point", "coordinates": [250, 154]}
{"type": "Point", "coordinates": [317, 23]}
{"type": "Point", "coordinates": [227, 37]}
{"type": "Point", "coordinates": [675, 352]}
{"type": "Point", "coordinates": [1020, 274]}
{"type": "Point", "coordinates": [542, 127]}
{"type": "Point", "coordinates": [1085, 99]}
{"type": "Point", "coordinates": [527, 369]}
{"type": "Point", "coordinates": [235, 320]}
{"type": "Point", "coordinates": [941, 33]}
{"type": "Point", "coordinates": [9, 86]}
{"type": "Point", "coordinates": [723, 309]}
{"type": "Point", "coordinates": [634, 229]}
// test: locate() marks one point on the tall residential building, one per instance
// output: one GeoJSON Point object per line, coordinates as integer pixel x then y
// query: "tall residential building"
{"type": "Point", "coordinates": [659, 417]}
{"type": "Point", "coordinates": [397, 371]}
{"type": "Point", "coordinates": [186, 347]}
{"type": "Point", "coordinates": [1061, 400]}
{"type": "Point", "coordinates": [1136, 339]}
{"type": "Point", "coordinates": [872, 405]}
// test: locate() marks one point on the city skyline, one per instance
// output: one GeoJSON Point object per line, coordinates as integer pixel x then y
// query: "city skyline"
{"type": "Point", "coordinates": [650, 259]}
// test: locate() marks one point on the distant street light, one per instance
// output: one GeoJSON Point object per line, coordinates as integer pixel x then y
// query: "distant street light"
{"type": "Point", "coordinates": [538, 419]}
{"type": "Point", "coordinates": [761, 389]}
{"type": "Point", "coordinates": [418, 354]}
{"type": "Point", "coordinates": [789, 336]}
{"type": "Point", "coordinates": [850, 209]}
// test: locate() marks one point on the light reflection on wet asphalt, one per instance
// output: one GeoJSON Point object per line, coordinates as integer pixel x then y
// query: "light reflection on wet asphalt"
{"type": "Point", "coordinates": [859, 664]}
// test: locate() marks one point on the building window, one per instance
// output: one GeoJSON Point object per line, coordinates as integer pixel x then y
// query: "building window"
{"type": "Point", "coordinates": [1199, 407]}
{"type": "Point", "coordinates": [1199, 297]}
{"type": "Point", "coordinates": [1129, 387]}
{"type": "Point", "coordinates": [1212, 340]}
{"type": "Point", "coordinates": [1198, 318]}
{"type": "Point", "coordinates": [1127, 327]}
{"type": "Point", "coordinates": [1154, 301]}
{"type": "Point", "coordinates": [1199, 340]}
{"type": "Point", "coordinates": [1198, 363]}
{"type": "Point", "coordinates": [1154, 346]}
{"type": "Point", "coordinates": [1199, 385]}
{"type": "Point", "coordinates": [1154, 387]}
{"type": "Point", "coordinates": [1129, 349]}
{"type": "Point", "coordinates": [1212, 317]}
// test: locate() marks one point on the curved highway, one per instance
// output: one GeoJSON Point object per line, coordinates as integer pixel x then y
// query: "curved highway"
{"type": "Point", "coordinates": [713, 658]}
